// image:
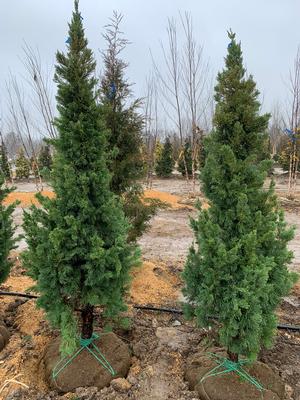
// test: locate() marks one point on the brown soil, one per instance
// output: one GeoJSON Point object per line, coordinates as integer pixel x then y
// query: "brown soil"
{"type": "Point", "coordinates": [176, 202]}
{"type": "Point", "coordinates": [230, 386]}
{"type": "Point", "coordinates": [4, 336]}
{"type": "Point", "coordinates": [160, 344]}
{"type": "Point", "coordinates": [155, 284]}
{"type": "Point", "coordinates": [26, 199]}
{"type": "Point", "coordinates": [85, 370]}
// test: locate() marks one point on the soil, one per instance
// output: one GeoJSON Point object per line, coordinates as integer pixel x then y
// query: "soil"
{"type": "Point", "coordinates": [85, 370]}
{"type": "Point", "coordinates": [231, 385]}
{"type": "Point", "coordinates": [160, 342]}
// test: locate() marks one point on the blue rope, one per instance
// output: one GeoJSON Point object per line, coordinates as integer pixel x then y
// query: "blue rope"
{"type": "Point", "coordinates": [84, 345]}
{"type": "Point", "coordinates": [226, 366]}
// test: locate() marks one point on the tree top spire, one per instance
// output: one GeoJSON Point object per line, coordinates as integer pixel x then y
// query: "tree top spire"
{"type": "Point", "coordinates": [231, 34]}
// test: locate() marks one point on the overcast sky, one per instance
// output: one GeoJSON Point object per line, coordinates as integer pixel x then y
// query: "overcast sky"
{"type": "Point", "coordinates": [268, 29]}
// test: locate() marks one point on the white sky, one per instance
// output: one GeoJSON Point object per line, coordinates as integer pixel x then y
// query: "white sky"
{"type": "Point", "coordinates": [268, 29]}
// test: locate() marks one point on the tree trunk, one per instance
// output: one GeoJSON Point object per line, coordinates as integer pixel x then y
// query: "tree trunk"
{"type": "Point", "coordinates": [233, 356]}
{"type": "Point", "coordinates": [87, 317]}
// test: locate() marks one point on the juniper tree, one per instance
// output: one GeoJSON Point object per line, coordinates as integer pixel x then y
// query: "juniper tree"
{"type": "Point", "coordinates": [34, 167]}
{"type": "Point", "coordinates": [186, 154]}
{"type": "Point", "coordinates": [165, 164]}
{"type": "Point", "coordinates": [78, 252]}
{"type": "Point", "coordinates": [237, 269]}
{"type": "Point", "coordinates": [45, 158]}
{"type": "Point", "coordinates": [45, 161]}
{"type": "Point", "coordinates": [7, 241]}
{"type": "Point", "coordinates": [158, 150]}
{"type": "Point", "coordinates": [125, 123]}
{"type": "Point", "coordinates": [4, 163]}
{"type": "Point", "coordinates": [22, 165]}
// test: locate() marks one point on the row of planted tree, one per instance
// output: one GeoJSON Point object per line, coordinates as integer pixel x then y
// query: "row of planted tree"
{"type": "Point", "coordinates": [82, 243]}
{"type": "Point", "coordinates": [165, 158]}
{"type": "Point", "coordinates": [23, 167]}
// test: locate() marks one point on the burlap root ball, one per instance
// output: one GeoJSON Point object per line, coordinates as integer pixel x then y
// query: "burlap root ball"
{"type": "Point", "coordinates": [85, 370]}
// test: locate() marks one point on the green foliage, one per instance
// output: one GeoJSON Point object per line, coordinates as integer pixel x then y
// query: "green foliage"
{"type": "Point", "coordinates": [284, 157]}
{"type": "Point", "coordinates": [125, 123]}
{"type": "Point", "coordinates": [158, 150]}
{"type": "Point", "coordinates": [34, 167]}
{"type": "Point", "coordinates": [202, 154]}
{"type": "Point", "coordinates": [45, 161]}
{"type": "Point", "coordinates": [186, 155]}
{"type": "Point", "coordinates": [7, 242]}
{"type": "Point", "coordinates": [238, 267]}
{"type": "Point", "coordinates": [139, 211]}
{"type": "Point", "coordinates": [4, 164]}
{"type": "Point", "coordinates": [78, 251]}
{"type": "Point", "coordinates": [165, 164]}
{"type": "Point", "coordinates": [22, 165]}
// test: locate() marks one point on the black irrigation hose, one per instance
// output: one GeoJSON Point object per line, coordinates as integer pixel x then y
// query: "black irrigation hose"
{"type": "Point", "coordinates": [17, 294]}
{"type": "Point", "coordinates": [147, 308]}
{"type": "Point", "coordinates": [176, 311]}
{"type": "Point", "coordinates": [161, 309]}
{"type": "Point", "coordinates": [288, 327]}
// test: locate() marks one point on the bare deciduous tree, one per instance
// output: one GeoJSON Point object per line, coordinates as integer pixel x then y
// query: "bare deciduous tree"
{"type": "Point", "coordinates": [151, 125]}
{"type": "Point", "coordinates": [294, 123]}
{"type": "Point", "coordinates": [185, 86]}
{"type": "Point", "coordinates": [171, 82]}
{"type": "Point", "coordinates": [276, 129]}
{"type": "Point", "coordinates": [42, 98]}
{"type": "Point", "coordinates": [21, 124]}
{"type": "Point", "coordinates": [195, 87]}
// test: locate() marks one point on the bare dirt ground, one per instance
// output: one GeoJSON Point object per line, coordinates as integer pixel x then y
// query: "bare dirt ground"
{"type": "Point", "coordinates": [170, 235]}
{"type": "Point", "coordinates": [160, 343]}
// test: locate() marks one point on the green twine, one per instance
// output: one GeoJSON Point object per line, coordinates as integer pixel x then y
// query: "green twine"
{"type": "Point", "coordinates": [228, 366]}
{"type": "Point", "coordinates": [84, 344]}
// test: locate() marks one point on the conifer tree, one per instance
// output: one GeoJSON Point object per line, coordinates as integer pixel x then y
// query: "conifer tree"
{"type": "Point", "coordinates": [165, 164]}
{"type": "Point", "coordinates": [7, 242]}
{"type": "Point", "coordinates": [45, 161]}
{"type": "Point", "coordinates": [158, 150]}
{"type": "Point", "coordinates": [125, 123]}
{"type": "Point", "coordinates": [238, 268]}
{"type": "Point", "coordinates": [78, 251]}
{"type": "Point", "coordinates": [45, 158]}
{"type": "Point", "coordinates": [34, 167]}
{"type": "Point", "coordinates": [202, 151]}
{"type": "Point", "coordinates": [4, 163]}
{"type": "Point", "coordinates": [186, 153]}
{"type": "Point", "coordinates": [22, 165]}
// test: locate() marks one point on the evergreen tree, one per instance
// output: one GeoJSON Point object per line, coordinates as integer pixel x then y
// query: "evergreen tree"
{"type": "Point", "coordinates": [4, 164]}
{"type": "Point", "coordinates": [45, 158]}
{"type": "Point", "coordinates": [285, 154]}
{"type": "Point", "coordinates": [125, 123]}
{"type": "Point", "coordinates": [202, 150]}
{"type": "Point", "coordinates": [158, 150]}
{"type": "Point", "coordinates": [165, 165]}
{"type": "Point", "coordinates": [34, 168]}
{"type": "Point", "coordinates": [22, 165]}
{"type": "Point", "coordinates": [238, 268]}
{"type": "Point", "coordinates": [186, 153]}
{"type": "Point", "coordinates": [45, 161]}
{"type": "Point", "coordinates": [78, 251]}
{"type": "Point", "coordinates": [7, 242]}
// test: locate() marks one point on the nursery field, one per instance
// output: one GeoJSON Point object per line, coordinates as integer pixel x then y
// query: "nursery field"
{"type": "Point", "coordinates": [161, 342]}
